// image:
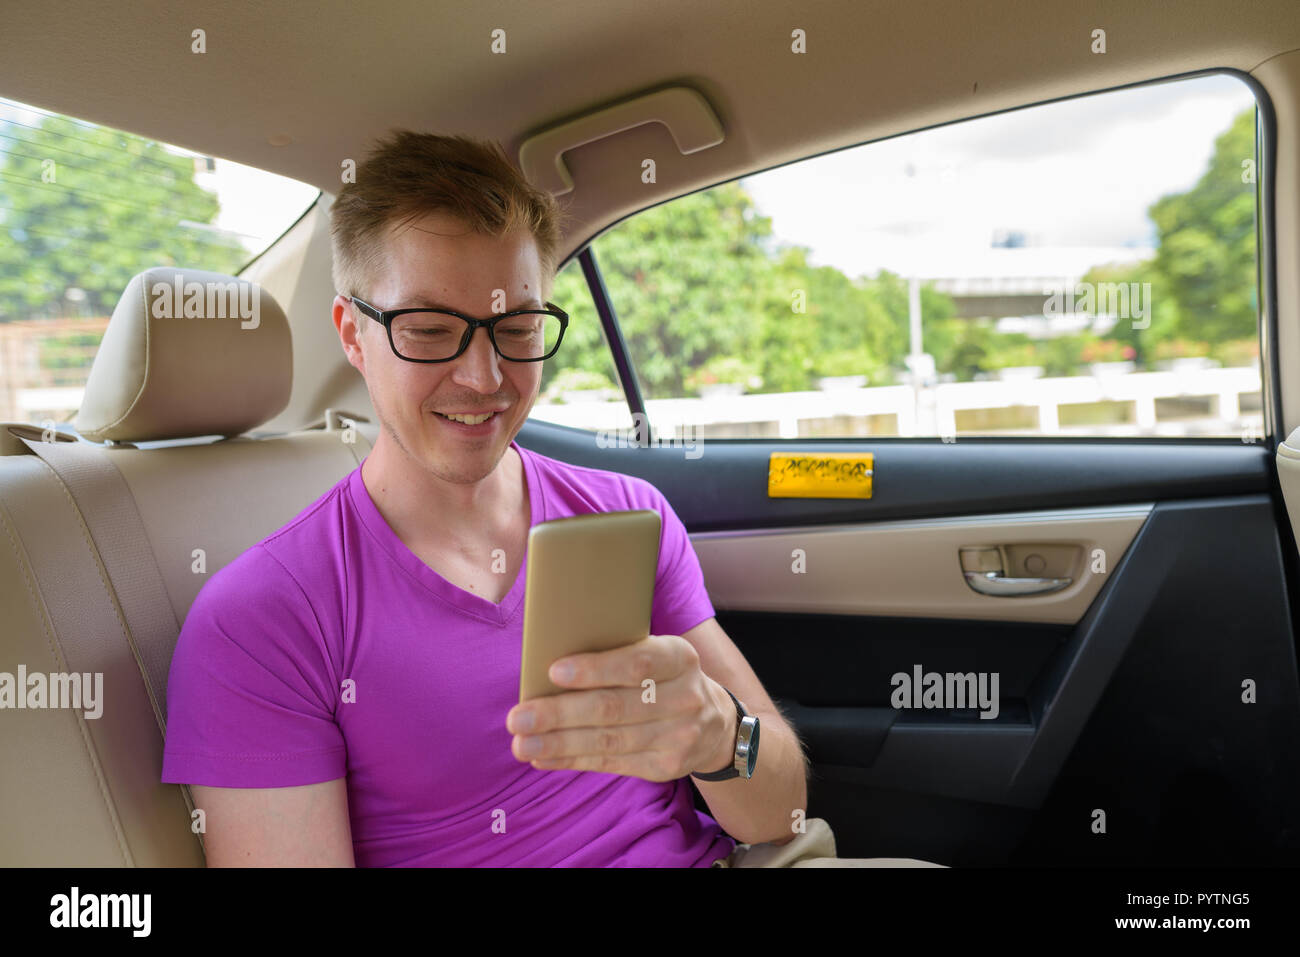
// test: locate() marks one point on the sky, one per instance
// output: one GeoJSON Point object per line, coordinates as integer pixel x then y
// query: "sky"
{"type": "Point", "coordinates": [1077, 173]}
{"type": "Point", "coordinates": [256, 205]}
{"type": "Point", "coordinates": [1080, 173]}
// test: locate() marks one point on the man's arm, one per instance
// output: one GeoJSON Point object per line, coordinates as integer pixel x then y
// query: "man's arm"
{"type": "Point", "coordinates": [760, 809]}
{"type": "Point", "coordinates": [304, 826]}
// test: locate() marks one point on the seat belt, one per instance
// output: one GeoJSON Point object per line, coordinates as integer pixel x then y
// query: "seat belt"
{"type": "Point", "coordinates": [108, 509]}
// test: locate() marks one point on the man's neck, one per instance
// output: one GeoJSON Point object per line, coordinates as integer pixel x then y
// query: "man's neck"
{"type": "Point", "coordinates": [422, 508]}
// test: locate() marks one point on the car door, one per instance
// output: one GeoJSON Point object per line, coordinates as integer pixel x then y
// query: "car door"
{"type": "Point", "coordinates": [1017, 618]}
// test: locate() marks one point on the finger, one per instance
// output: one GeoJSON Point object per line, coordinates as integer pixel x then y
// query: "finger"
{"type": "Point", "coordinates": [588, 709]}
{"type": "Point", "coordinates": [609, 740]}
{"type": "Point", "coordinates": [649, 765]}
{"type": "Point", "coordinates": [603, 706]}
{"type": "Point", "coordinates": [658, 658]}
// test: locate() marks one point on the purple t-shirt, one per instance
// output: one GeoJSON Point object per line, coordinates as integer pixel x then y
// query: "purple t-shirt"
{"type": "Point", "coordinates": [335, 606]}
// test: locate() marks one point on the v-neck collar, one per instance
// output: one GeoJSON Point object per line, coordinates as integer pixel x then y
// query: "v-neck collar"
{"type": "Point", "coordinates": [454, 595]}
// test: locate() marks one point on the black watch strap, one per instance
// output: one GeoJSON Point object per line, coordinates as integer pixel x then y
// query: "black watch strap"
{"type": "Point", "coordinates": [729, 772]}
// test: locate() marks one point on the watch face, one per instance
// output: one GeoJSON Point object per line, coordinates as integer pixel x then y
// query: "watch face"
{"type": "Point", "coordinates": [753, 751]}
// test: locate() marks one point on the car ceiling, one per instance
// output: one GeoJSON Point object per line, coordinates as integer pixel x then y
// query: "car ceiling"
{"type": "Point", "coordinates": [326, 78]}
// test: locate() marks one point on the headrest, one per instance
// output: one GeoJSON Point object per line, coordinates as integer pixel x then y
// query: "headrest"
{"type": "Point", "coordinates": [188, 353]}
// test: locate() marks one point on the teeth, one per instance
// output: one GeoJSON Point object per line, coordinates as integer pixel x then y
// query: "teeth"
{"type": "Point", "coordinates": [469, 419]}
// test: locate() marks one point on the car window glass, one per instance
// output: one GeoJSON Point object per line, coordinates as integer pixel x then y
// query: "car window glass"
{"type": "Point", "coordinates": [1086, 267]}
{"type": "Point", "coordinates": [83, 208]}
{"type": "Point", "coordinates": [579, 383]}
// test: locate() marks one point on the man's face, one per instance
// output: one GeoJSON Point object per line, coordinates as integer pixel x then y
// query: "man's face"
{"type": "Point", "coordinates": [437, 262]}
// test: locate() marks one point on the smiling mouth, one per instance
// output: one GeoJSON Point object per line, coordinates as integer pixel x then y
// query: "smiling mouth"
{"type": "Point", "coordinates": [468, 419]}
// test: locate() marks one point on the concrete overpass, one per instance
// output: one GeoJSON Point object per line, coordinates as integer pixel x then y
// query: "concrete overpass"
{"type": "Point", "coordinates": [1015, 281]}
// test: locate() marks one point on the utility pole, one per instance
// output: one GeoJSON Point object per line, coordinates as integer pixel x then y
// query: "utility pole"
{"type": "Point", "coordinates": [921, 365]}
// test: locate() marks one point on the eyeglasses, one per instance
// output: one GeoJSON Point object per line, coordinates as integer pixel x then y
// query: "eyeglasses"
{"type": "Point", "coordinates": [438, 335]}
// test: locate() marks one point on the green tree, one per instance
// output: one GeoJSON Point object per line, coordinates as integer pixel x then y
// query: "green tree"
{"type": "Point", "coordinates": [815, 321]}
{"type": "Point", "coordinates": [1164, 312]}
{"type": "Point", "coordinates": [85, 207]}
{"type": "Point", "coordinates": [939, 328]}
{"type": "Point", "coordinates": [964, 347]}
{"type": "Point", "coordinates": [1203, 275]}
{"type": "Point", "coordinates": [684, 279]}
{"type": "Point", "coordinates": [1206, 254]}
{"type": "Point", "coordinates": [700, 280]}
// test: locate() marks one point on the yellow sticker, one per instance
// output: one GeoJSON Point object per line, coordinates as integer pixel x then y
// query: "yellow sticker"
{"type": "Point", "coordinates": [819, 475]}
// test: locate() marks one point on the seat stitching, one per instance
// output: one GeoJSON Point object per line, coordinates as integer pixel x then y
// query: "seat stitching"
{"type": "Point", "coordinates": [144, 379]}
{"type": "Point", "coordinates": [144, 671]}
{"type": "Point", "coordinates": [24, 565]}
{"type": "Point", "coordinates": [89, 541]}
{"type": "Point", "coordinates": [117, 610]}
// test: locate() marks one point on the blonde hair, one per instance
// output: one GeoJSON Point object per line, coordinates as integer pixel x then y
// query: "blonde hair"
{"type": "Point", "coordinates": [409, 175]}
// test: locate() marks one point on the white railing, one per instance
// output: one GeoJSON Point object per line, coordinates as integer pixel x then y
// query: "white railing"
{"type": "Point", "coordinates": [934, 410]}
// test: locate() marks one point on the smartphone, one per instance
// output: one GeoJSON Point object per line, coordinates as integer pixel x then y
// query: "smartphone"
{"type": "Point", "coordinates": [590, 587]}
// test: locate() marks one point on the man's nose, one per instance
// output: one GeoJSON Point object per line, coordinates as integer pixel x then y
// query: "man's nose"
{"type": "Point", "coordinates": [479, 366]}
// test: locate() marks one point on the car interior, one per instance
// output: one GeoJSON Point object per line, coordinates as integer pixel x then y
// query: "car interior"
{"type": "Point", "coordinates": [1149, 701]}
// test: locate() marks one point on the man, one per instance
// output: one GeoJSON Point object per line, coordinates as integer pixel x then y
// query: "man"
{"type": "Point", "coordinates": [345, 691]}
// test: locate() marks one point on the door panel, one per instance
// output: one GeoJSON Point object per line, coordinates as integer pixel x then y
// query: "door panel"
{"type": "Point", "coordinates": [1167, 708]}
{"type": "Point", "coordinates": [908, 568]}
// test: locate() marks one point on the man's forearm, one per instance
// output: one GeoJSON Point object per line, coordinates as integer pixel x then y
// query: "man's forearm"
{"type": "Point", "coordinates": [762, 809]}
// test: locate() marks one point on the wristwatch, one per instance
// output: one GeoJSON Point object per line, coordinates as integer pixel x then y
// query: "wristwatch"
{"type": "Point", "coordinates": [746, 748]}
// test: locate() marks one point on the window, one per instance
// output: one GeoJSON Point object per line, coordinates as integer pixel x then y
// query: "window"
{"type": "Point", "coordinates": [580, 385]}
{"type": "Point", "coordinates": [1086, 267]}
{"type": "Point", "coordinates": [83, 208]}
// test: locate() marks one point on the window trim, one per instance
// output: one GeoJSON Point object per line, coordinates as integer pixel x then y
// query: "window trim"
{"type": "Point", "coordinates": [623, 365]}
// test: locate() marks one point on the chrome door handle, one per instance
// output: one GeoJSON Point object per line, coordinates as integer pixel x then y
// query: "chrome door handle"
{"type": "Point", "coordinates": [992, 583]}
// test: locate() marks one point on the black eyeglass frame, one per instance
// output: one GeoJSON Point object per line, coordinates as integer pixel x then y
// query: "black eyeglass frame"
{"type": "Point", "coordinates": [386, 317]}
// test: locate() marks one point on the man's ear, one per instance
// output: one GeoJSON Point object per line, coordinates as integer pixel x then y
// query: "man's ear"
{"type": "Point", "coordinates": [350, 334]}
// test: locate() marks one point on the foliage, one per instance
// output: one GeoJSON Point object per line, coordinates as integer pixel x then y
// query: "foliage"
{"type": "Point", "coordinates": [728, 370]}
{"type": "Point", "coordinates": [966, 348]}
{"type": "Point", "coordinates": [703, 296]}
{"type": "Point", "coordinates": [68, 352]}
{"type": "Point", "coordinates": [578, 380]}
{"type": "Point", "coordinates": [1206, 253]}
{"type": "Point", "coordinates": [849, 362]}
{"type": "Point", "coordinates": [1107, 350]}
{"type": "Point", "coordinates": [1203, 275]}
{"type": "Point", "coordinates": [86, 208]}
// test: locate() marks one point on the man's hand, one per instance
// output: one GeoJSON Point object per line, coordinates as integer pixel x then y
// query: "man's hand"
{"type": "Point", "coordinates": [645, 710]}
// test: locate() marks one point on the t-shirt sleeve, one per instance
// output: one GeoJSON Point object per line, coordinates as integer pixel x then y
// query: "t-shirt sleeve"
{"type": "Point", "coordinates": [252, 694]}
{"type": "Point", "coordinates": [681, 599]}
